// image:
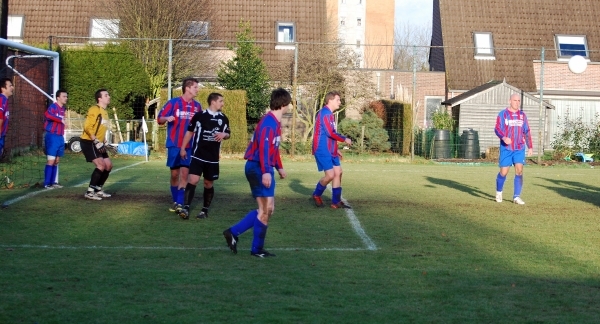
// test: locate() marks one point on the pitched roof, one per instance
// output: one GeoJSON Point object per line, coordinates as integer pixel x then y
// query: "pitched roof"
{"type": "Point", "coordinates": [519, 28]}
{"type": "Point", "coordinates": [488, 87]}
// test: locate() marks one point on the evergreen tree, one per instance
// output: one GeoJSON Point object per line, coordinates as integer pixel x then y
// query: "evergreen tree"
{"type": "Point", "coordinates": [247, 71]}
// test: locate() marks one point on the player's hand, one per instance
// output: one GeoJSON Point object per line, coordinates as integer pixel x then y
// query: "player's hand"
{"type": "Point", "coordinates": [220, 136]}
{"type": "Point", "coordinates": [183, 153]}
{"type": "Point", "coordinates": [100, 146]}
{"type": "Point", "coordinates": [266, 180]}
{"type": "Point", "coordinates": [506, 140]}
{"type": "Point", "coordinates": [529, 152]}
{"type": "Point", "coordinates": [348, 141]}
{"type": "Point", "coordinates": [282, 173]}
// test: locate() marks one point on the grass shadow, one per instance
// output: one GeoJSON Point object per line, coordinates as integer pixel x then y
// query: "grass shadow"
{"type": "Point", "coordinates": [471, 190]}
{"type": "Point", "coordinates": [575, 190]}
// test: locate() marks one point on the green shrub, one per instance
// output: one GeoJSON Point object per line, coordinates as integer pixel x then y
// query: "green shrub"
{"type": "Point", "coordinates": [113, 67]}
{"type": "Point", "coordinates": [375, 137]}
{"type": "Point", "coordinates": [575, 136]}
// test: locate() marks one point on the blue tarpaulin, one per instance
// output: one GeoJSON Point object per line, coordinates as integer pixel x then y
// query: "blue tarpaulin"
{"type": "Point", "coordinates": [132, 148]}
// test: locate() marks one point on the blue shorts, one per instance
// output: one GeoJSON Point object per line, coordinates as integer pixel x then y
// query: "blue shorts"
{"type": "Point", "coordinates": [174, 160]}
{"type": "Point", "coordinates": [326, 162]}
{"type": "Point", "coordinates": [509, 157]}
{"type": "Point", "coordinates": [55, 144]}
{"type": "Point", "coordinates": [254, 176]}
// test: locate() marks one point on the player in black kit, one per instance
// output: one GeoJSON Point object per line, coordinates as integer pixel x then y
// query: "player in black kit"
{"type": "Point", "coordinates": [206, 130]}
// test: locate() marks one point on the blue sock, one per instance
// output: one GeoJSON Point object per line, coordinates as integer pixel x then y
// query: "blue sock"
{"type": "Point", "coordinates": [180, 196]}
{"type": "Point", "coordinates": [260, 232]}
{"type": "Point", "coordinates": [245, 223]}
{"type": "Point", "coordinates": [500, 182]}
{"type": "Point", "coordinates": [174, 193]}
{"type": "Point", "coordinates": [48, 175]}
{"type": "Point", "coordinates": [336, 195]}
{"type": "Point", "coordinates": [518, 185]}
{"type": "Point", "coordinates": [54, 178]}
{"type": "Point", "coordinates": [319, 189]}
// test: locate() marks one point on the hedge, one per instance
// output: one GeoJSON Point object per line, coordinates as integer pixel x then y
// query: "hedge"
{"type": "Point", "coordinates": [399, 125]}
{"type": "Point", "coordinates": [235, 109]}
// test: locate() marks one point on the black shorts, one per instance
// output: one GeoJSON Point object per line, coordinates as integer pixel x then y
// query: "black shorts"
{"type": "Point", "coordinates": [209, 170]}
{"type": "Point", "coordinates": [90, 151]}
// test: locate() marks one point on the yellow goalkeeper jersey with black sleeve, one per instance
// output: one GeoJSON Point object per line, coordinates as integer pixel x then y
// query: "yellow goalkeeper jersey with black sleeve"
{"type": "Point", "coordinates": [95, 115]}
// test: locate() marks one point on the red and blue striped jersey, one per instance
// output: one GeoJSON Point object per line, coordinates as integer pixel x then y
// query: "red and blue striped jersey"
{"type": "Point", "coordinates": [515, 126]}
{"type": "Point", "coordinates": [4, 114]}
{"type": "Point", "coordinates": [183, 112]}
{"type": "Point", "coordinates": [325, 137]}
{"type": "Point", "coordinates": [264, 144]}
{"type": "Point", "coordinates": [54, 117]}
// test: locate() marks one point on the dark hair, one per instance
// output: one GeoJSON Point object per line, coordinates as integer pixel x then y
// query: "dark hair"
{"type": "Point", "coordinates": [186, 83]}
{"type": "Point", "coordinates": [331, 95]}
{"type": "Point", "coordinates": [213, 97]}
{"type": "Point", "coordinates": [99, 94]}
{"type": "Point", "coordinates": [3, 82]}
{"type": "Point", "coordinates": [59, 91]}
{"type": "Point", "coordinates": [280, 98]}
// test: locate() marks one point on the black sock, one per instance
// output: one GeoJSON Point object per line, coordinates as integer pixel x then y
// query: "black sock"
{"type": "Point", "coordinates": [94, 182]}
{"type": "Point", "coordinates": [105, 174]}
{"type": "Point", "coordinates": [190, 190]}
{"type": "Point", "coordinates": [208, 197]}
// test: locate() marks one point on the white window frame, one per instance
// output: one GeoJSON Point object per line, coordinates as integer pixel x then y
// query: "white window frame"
{"type": "Point", "coordinates": [427, 123]}
{"type": "Point", "coordinates": [103, 28]}
{"type": "Point", "coordinates": [282, 43]}
{"type": "Point", "coordinates": [580, 40]}
{"type": "Point", "coordinates": [197, 30]}
{"type": "Point", "coordinates": [358, 21]}
{"type": "Point", "coordinates": [16, 28]}
{"type": "Point", "coordinates": [484, 46]}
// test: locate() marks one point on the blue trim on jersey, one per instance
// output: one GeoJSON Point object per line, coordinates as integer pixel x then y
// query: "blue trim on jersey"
{"type": "Point", "coordinates": [509, 158]}
{"type": "Point", "coordinates": [327, 162]}
{"type": "Point", "coordinates": [55, 144]}
{"type": "Point", "coordinates": [174, 160]}
{"type": "Point", "coordinates": [254, 175]}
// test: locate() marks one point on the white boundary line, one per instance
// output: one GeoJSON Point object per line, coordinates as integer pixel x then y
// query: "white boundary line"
{"type": "Point", "coordinates": [130, 247]}
{"type": "Point", "coordinates": [31, 194]}
{"type": "Point", "coordinates": [359, 229]}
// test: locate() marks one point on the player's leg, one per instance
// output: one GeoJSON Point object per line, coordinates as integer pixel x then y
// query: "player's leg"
{"type": "Point", "coordinates": [173, 162]}
{"type": "Point", "coordinates": [504, 162]}
{"type": "Point", "coordinates": [211, 173]}
{"type": "Point", "coordinates": [266, 207]}
{"type": "Point", "coordinates": [194, 173]}
{"type": "Point", "coordinates": [183, 176]}
{"type": "Point", "coordinates": [324, 163]}
{"type": "Point", "coordinates": [336, 185]}
{"type": "Point", "coordinates": [60, 152]}
{"type": "Point", "coordinates": [107, 163]}
{"type": "Point", "coordinates": [92, 155]}
{"type": "Point", "coordinates": [519, 161]}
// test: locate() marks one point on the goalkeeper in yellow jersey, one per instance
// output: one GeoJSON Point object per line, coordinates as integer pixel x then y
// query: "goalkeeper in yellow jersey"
{"type": "Point", "coordinates": [93, 145]}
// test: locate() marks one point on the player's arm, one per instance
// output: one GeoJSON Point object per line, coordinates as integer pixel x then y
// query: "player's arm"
{"type": "Point", "coordinates": [1, 119]}
{"type": "Point", "coordinates": [225, 134]}
{"type": "Point", "coordinates": [527, 134]}
{"type": "Point", "coordinates": [52, 115]}
{"type": "Point", "coordinates": [500, 129]}
{"type": "Point", "coordinates": [89, 123]}
{"type": "Point", "coordinates": [331, 133]}
{"type": "Point", "coordinates": [184, 144]}
{"type": "Point", "coordinates": [165, 114]}
{"type": "Point", "coordinates": [264, 145]}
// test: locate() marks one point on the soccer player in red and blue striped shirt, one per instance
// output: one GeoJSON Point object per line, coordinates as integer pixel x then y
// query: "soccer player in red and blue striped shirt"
{"type": "Point", "coordinates": [54, 138]}
{"type": "Point", "coordinates": [326, 152]}
{"type": "Point", "coordinates": [262, 157]}
{"type": "Point", "coordinates": [513, 130]}
{"type": "Point", "coordinates": [6, 89]}
{"type": "Point", "coordinates": [177, 113]}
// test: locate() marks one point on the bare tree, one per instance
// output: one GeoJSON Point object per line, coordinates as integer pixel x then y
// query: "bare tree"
{"type": "Point", "coordinates": [412, 43]}
{"type": "Point", "coordinates": [145, 24]}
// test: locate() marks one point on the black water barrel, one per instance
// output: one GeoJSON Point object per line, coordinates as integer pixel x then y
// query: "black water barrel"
{"type": "Point", "coordinates": [469, 144]}
{"type": "Point", "coordinates": [441, 144]}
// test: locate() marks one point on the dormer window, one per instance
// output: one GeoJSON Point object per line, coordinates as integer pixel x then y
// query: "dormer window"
{"type": "Point", "coordinates": [484, 46]}
{"type": "Point", "coordinates": [568, 46]}
{"type": "Point", "coordinates": [285, 35]}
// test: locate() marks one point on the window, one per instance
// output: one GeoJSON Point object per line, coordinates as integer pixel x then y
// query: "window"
{"type": "Point", "coordinates": [343, 21]}
{"type": "Point", "coordinates": [571, 45]}
{"type": "Point", "coordinates": [104, 28]}
{"type": "Point", "coordinates": [16, 28]}
{"type": "Point", "coordinates": [197, 30]}
{"type": "Point", "coordinates": [285, 32]}
{"type": "Point", "coordinates": [484, 46]}
{"type": "Point", "coordinates": [358, 22]}
{"type": "Point", "coordinates": [432, 104]}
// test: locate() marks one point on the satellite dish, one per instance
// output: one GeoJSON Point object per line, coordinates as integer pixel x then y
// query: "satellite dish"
{"type": "Point", "coordinates": [577, 64]}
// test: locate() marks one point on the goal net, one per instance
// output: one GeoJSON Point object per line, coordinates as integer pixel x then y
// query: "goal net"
{"type": "Point", "coordinates": [32, 74]}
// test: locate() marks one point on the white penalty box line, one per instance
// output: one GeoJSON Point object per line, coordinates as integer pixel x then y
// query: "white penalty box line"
{"type": "Point", "coordinates": [158, 248]}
